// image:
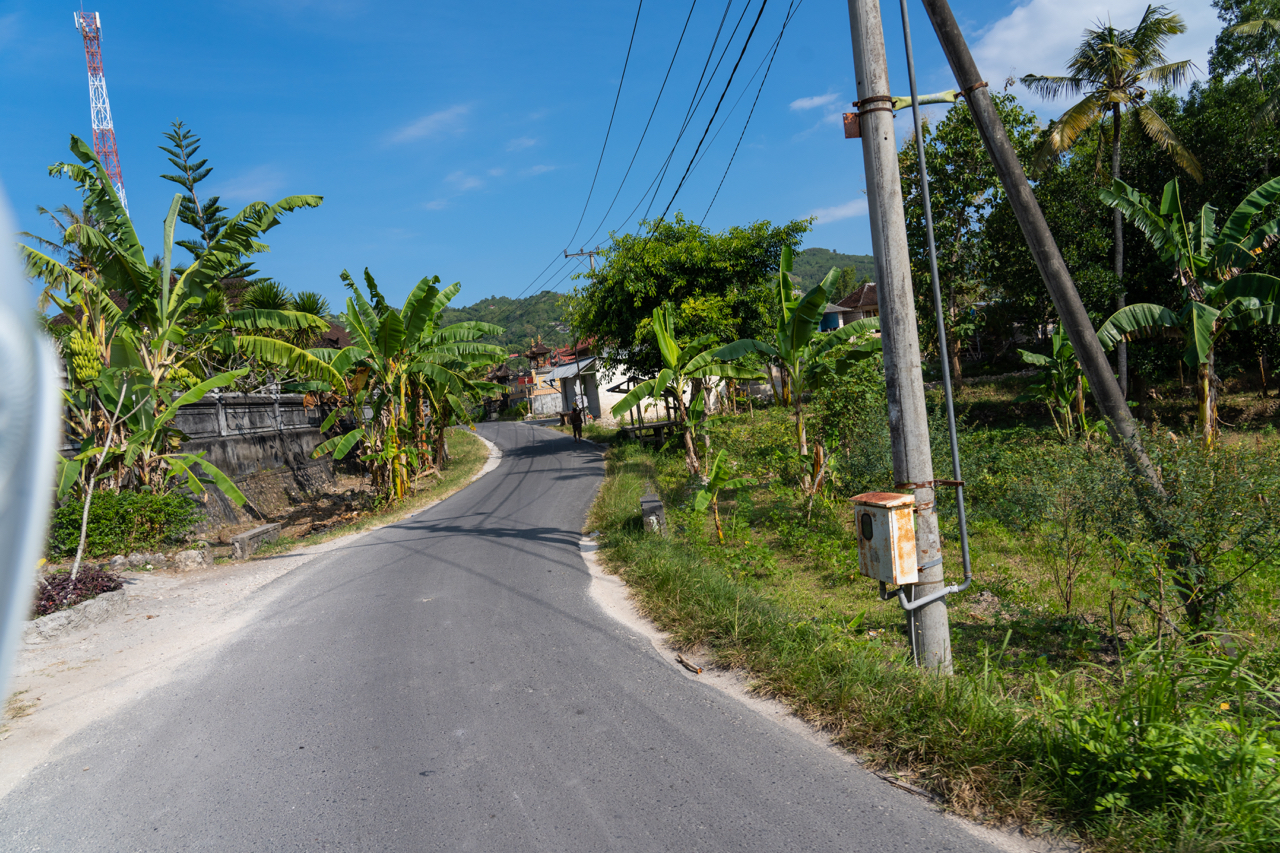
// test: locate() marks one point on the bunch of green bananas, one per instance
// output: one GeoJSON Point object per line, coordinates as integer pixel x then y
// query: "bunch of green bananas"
{"type": "Point", "coordinates": [184, 377]}
{"type": "Point", "coordinates": [85, 363]}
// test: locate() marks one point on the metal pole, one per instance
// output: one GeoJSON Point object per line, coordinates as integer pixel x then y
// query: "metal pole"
{"type": "Point", "coordinates": [937, 304]}
{"type": "Point", "coordinates": [908, 416]}
{"type": "Point", "coordinates": [1057, 278]}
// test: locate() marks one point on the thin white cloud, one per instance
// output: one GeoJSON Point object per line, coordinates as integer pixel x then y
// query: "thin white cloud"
{"type": "Point", "coordinates": [814, 101]}
{"type": "Point", "coordinates": [1039, 37]}
{"type": "Point", "coordinates": [437, 204]}
{"type": "Point", "coordinates": [539, 169]}
{"type": "Point", "coordinates": [462, 182]}
{"type": "Point", "coordinates": [448, 121]}
{"type": "Point", "coordinates": [521, 143]}
{"type": "Point", "coordinates": [497, 172]}
{"type": "Point", "coordinates": [257, 184]}
{"type": "Point", "coordinates": [857, 207]}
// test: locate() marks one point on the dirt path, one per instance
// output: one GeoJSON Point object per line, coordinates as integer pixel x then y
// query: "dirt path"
{"type": "Point", "coordinates": [61, 686]}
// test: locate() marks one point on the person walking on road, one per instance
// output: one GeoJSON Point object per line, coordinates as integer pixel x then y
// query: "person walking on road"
{"type": "Point", "coordinates": [575, 420]}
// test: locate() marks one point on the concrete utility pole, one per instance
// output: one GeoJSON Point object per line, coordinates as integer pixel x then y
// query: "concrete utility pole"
{"type": "Point", "coordinates": [908, 418]}
{"type": "Point", "coordinates": [590, 255]}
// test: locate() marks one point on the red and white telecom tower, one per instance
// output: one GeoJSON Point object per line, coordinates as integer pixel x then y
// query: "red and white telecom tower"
{"type": "Point", "coordinates": [104, 134]}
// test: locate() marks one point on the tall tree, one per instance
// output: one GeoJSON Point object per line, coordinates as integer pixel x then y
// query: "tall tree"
{"type": "Point", "coordinates": [1249, 42]}
{"type": "Point", "coordinates": [205, 217]}
{"type": "Point", "coordinates": [718, 284]}
{"type": "Point", "coordinates": [1113, 69]}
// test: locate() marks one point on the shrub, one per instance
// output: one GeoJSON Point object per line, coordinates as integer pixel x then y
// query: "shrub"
{"type": "Point", "coordinates": [121, 522]}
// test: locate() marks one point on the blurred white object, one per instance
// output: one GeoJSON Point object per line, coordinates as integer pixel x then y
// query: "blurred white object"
{"type": "Point", "coordinates": [29, 432]}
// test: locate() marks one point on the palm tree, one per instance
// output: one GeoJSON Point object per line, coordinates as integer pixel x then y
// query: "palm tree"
{"type": "Point", "coordinates": [797, 347]}
{"type": "Point", "coordinates": [397, 354]}
{"type": "Point", "coordinates": [1112, 69]}
{"type": "Point", "coordinates": [76, 255]}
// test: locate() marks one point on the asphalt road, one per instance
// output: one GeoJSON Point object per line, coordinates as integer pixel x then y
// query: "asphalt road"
{"type": "Point", "coordinates": [447, 684]}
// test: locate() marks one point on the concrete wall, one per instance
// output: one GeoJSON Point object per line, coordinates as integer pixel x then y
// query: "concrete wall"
{"type": "Point", "coordinates": [263, 442]}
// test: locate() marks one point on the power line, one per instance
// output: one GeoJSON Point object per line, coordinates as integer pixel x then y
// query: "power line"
{"type": "Point", "coordinates": [614, 112]}
{"type": "Point", "coordinates": [608, 130]}
{"type": "Point", "coordinates": [693, 101]}
{"type": "Point", "coordinates": [729, 83]}
{"type": "Point", "coordinates": [645, 132]}
{"type": "Point", "coordinates": [776, 44]}
{"type": "Point", "coordinates": [699, 92]}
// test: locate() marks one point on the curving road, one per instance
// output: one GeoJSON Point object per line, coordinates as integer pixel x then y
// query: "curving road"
{"type": "Point", "coordinates": [447, 684]}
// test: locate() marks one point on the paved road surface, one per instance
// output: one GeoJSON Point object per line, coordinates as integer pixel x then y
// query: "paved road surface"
{"type": "Point", "coordinates": [446, 684]}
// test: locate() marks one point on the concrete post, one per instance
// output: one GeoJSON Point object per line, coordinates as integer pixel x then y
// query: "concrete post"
{"type": "Point", "coordinates": [908, 416]}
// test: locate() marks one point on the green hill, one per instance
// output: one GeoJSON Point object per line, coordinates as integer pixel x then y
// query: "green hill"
{"type": "Point", "coordinates": [530, 317]}
{"type": "Point", "coordinates": [812, 265]}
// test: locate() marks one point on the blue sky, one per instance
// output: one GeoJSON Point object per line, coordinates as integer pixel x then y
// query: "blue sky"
{"type": "Point", "coordinates": [461, 139]}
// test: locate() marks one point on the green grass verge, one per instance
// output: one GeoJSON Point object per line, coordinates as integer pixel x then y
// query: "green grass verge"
{"type": "Point", "coordinates": [1177, 750]}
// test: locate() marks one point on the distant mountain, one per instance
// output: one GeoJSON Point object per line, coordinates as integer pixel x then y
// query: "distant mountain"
{"type": "Point", "coordinates": [812, 265]}
{"type": "Point", "coordinates": [530, 317]}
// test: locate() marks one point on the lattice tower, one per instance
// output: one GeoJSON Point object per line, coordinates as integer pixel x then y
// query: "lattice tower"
{"type": "Point", "coordinates": [104, 134]}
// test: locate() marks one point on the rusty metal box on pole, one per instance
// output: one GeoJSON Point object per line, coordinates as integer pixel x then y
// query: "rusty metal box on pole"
{"type": "Point", "coordinates": [886, 537]}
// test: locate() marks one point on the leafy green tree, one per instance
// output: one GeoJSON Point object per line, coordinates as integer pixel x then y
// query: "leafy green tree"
{"type": "Point", "coordinates": [685, 371]}
{"type": "Point", "coordinates": [1249, 41]}
{"type": "Point", "coordinates": [964, 189]}
{"type": "Point", "coordinates": [717, 284]}
{"type": "Point", "coordinates": [797, 347]}
{"type": "Point", "coordinates": [1212, 265]}
{"type": "Point", "coordinates": [1113, 69]}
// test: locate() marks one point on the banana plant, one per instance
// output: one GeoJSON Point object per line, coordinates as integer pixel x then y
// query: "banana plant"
{"type": "Point", "coordinates": [683, 369]}
{"type": "Point", "coordinates": [143, 442]}
{"type": "Point", "coordinates": [719, 477]}
{"type": "Point", "coordinates": [797, 347]}
{"type": "Point", "coordinates": [1062, 385]}
{"type": "Point", "coordinates": [152, 337]}
{"type": "Point", "coordinates": [1212, 266]}
{"type": "Point", "coordinates": [399, 359]}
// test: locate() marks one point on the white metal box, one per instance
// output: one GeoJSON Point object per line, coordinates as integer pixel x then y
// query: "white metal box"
{"type": "Point", "coordinates": [886, 537]}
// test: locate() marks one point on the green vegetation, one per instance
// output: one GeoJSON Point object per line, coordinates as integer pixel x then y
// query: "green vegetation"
{"type": "Point", "coordinates": [122, 522]}
{"type": "Point", "coordinates": [1212, 264]}
{"type": "Point", "coordinates": [1084, 698]}
{"type": "Point", "coordinates": [718, 284]}
{"type": "Point", "coordinates": [798, 349]}
{"type": "Point", "coordinates": [537, 317]}
{"type": "Point", "coordinates": [401, 360]}
{"type": "Point", "coordinates": [686, 373]}
{"type": "Point", "coordinates": [810, 266]}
